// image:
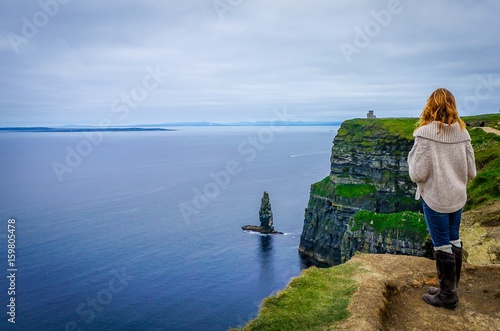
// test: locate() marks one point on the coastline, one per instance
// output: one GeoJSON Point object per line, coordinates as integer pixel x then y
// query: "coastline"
{"type": "Point", "coordinates": [47, 129]}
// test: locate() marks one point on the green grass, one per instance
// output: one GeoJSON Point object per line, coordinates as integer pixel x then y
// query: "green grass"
{"type": "Point", "coordinates": [401, 127]}
{"type": "Point", "coordinates": [491, 120]}
{"type": "Point", "coordinates": [350, 191]}
{"type": "Point", "coordinates": [408, 221]}
{"type": "Point", "coordinates": [358, 129]}
{"type": "Point", "coordinates": [486, 185]}
{"type": "Point", "coordinates": [323, 188]}
{"type": "Point", "coordinates": [317, 299]}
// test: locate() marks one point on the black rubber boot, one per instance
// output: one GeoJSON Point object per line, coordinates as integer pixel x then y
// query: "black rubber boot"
{"type": "Point", "coordinates": [447, 295]}
{"type": "Point", "coordinates": [458, 251]}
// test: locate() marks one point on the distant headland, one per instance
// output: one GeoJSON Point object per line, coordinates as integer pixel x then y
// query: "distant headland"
{"type": "Point", "coordinates": [243, 123]}
{"type": "Point", "coordinates": [79, 129]}
{"type": "Point", "coordinates": [161, 126]}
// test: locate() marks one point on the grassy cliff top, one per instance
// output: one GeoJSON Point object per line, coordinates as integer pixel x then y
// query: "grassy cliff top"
{"type": "Point", "coordinates": [378, 292]}
{"type": "Point", "coordinates": [319, 298]}
{"type": "Point", "coordinates": [359, 129]}
{"type": "Point", "coordinates": [485, 186]}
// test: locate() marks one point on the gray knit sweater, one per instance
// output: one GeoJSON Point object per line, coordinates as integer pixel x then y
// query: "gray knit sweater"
{"type": "Point", "coordinates": [441, 162]}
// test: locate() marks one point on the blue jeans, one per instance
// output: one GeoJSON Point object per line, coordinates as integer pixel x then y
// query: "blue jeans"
{"type": "Point", "coordinates": [443, 228]}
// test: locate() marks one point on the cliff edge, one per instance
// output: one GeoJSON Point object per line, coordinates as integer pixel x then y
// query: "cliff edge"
{"type": "Point", "coordinates": [366, 204]}
{"type": "Point", "coordinates": [381, 292]}
{"type": "Point", "coordinates": [369, 171]}
{"type": "Point", "coordinates": [389, 296]}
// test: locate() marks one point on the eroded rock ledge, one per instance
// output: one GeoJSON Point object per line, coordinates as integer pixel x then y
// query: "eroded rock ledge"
{"type": "Point", "coordinates": [389, 296]}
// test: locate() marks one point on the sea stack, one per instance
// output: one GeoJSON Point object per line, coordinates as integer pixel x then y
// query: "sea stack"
{"type": "Point", "coordinates": [265, 216]}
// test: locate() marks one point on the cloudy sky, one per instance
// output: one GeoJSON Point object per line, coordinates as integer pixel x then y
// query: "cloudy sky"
{"type": "Point", "coordinates": [134, 62]}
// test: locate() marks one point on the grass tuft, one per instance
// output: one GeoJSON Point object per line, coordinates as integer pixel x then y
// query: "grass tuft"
{"type": "Point", "coordinates": [323, 188]}
{"type": "Point", "coordinates": [359, 129]}
{"type": "Point", "coordinates": [314, 301]}
{"type": "Point", "coordinates": [485, 186]}
{"type": "Point", "coordinates": [408, 221]}
{"type": "Point", "coordinates": [350, 191]}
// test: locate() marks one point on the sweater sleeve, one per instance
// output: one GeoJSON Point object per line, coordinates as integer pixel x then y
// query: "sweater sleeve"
{"type": "Point", "coordinates": [419, 162]}
{"type": "Point", "coordinates": [471, 162]}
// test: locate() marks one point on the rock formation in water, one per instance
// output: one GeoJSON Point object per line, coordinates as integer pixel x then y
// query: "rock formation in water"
{"type": "Point", "coordinates": [265, 216]}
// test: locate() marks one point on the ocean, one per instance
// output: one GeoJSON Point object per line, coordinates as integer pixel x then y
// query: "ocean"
{"type": "Point", "coordinates": [142, 230]}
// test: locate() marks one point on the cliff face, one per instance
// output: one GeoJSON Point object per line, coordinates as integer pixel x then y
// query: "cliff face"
{"type": "Point", "coordinates": [369, 171]}
{"type": "Point", "coordinates": [324, 226]}
{"type": "Point", "coordinates": [374, 152]}
{"type": "Point", "coordinates": [389, 241]}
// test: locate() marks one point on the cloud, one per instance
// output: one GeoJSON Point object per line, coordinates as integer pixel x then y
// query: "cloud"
{"type": "Point", "coordinates": [241, 63]}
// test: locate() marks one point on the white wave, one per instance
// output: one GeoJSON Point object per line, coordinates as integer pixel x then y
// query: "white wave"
{"type": "Point", "coordinates": [307, 154]}
{"type": "Point", "coordinates": [124, 211]}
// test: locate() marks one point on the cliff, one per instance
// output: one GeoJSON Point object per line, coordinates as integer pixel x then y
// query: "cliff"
{"type": "Point", "coordinates": [369, 171]}
{"type": "Point", "coordinates": [382, 291]}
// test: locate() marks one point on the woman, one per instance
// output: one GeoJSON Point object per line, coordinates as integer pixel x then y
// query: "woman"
{"type": "Point", "coordinates": [441, 162]}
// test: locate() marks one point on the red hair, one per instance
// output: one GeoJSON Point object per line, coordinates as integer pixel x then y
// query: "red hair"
{"type": "Point", "coordinates": [440, 107]}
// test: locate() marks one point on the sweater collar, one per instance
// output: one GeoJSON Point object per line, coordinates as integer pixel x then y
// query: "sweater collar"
{"type": "Point", "coordinates": [442, 132]}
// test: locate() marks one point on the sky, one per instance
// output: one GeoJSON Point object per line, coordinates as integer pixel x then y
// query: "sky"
{"type": "Point", "coordinates": [121, 62]}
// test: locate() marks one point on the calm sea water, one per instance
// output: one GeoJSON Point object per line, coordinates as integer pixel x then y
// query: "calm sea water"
{"type": "Point", "coordinates": [145, 232]}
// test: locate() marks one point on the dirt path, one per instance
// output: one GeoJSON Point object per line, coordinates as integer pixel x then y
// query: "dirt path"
{"type": "Point", "coordinates": [478, 308]}
{"type": "Point", "coordinates": [390, 293]}
{"type": "Point", "coordinates": [488, 129]}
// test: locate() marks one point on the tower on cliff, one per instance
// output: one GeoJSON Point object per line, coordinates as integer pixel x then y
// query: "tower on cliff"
{"type": "Point", "coordinates": [266, 214]}
{"type": "Point", "coordinates": [370, 114]}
